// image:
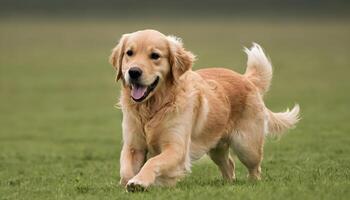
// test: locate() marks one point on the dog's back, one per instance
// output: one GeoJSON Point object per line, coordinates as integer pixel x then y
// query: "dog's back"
{"type": "Point", "coordinates": [235, 87]}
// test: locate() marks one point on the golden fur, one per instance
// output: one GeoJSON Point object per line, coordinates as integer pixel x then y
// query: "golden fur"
{"type": "Point", "coordinates": [191, 113]}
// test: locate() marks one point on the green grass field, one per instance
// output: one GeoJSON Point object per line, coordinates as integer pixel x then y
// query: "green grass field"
{"type": "Point", "coordinates": [60, 135]}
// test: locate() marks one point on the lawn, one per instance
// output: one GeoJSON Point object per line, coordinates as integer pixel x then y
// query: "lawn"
{"type": "Point", "coordinates": [60, 134]}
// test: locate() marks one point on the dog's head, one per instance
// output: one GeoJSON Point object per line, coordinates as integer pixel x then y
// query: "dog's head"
{"type": "Point", "coordinates": [146, 60]}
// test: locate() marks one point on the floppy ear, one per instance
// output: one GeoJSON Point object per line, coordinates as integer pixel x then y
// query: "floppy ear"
{"type": "Point", "coordinates": [180, 59]}
{"type": "Point", "coordinates": [116, 57]}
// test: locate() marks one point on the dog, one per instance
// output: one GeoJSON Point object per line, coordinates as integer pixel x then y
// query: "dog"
{"type": "Point", "coordinates": [173, 115]}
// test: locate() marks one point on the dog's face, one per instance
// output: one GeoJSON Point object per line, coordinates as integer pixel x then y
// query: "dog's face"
{"type": "Point", "coordinates": [147, 59]}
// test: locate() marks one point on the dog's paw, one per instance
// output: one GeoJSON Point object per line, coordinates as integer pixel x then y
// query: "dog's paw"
{"type": "Point", "coordinates": [123, 181]}
{"type": "Point", "coordinates": [135, 186]}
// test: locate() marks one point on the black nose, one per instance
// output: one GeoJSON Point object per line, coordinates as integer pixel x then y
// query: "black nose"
{"type": "Point", "coordinates": [135, 72]}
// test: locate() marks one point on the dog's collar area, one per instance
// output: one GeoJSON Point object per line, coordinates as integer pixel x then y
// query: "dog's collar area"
{"type": "Point", "coordinates": [149, 89]}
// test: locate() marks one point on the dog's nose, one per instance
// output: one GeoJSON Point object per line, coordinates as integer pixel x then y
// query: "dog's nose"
{"type": "Point", "coordinates": [135, 72]}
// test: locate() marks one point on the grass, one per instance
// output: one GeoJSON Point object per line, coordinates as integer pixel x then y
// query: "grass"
{"type": "Point", "coordinates": [60, 134]}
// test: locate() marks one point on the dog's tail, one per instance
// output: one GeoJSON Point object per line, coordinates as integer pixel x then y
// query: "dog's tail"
{"type": "Point", "coordinates": [259, 68]}
{"type": "Point", "coordinates": [282, 121]}
{"type": "Point", "coordinates": [259, 72]}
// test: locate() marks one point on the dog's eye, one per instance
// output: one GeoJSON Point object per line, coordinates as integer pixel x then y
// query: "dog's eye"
{"type": "Point", "coordinates": [129, 53]}
{"type": "Point", "coordinates": [154, 56]}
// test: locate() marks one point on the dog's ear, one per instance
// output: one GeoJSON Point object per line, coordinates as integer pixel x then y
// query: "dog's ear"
{"type": "Point", "coordinates": [116, 57]}
{"type": "Point", "coordinates": [180, 59]}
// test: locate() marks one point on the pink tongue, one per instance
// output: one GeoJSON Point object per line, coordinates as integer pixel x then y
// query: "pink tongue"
{"type": "Point", "coordinates": [137, 92]}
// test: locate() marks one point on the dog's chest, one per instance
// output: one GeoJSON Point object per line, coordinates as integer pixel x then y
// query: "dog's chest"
{"type": "Point", "coordinates": [151, 130]}
{"type": "Point", "coordinates": [154, 124]}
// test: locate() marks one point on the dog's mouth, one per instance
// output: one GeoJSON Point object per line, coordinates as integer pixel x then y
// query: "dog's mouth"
{"type": "Point", "coordinates": [140, 92]}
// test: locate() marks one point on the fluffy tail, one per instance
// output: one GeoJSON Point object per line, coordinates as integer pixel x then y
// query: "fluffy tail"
{"type": "Point", "coordinates": [282, 121]}
{"type": "Point", "coordinates": [259, 72]}
{"type": "Point", "coordinates": [259, 69]}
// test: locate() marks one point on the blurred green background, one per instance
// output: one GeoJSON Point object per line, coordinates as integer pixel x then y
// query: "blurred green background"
{"type": "Point", "coordinates": [60, 135]}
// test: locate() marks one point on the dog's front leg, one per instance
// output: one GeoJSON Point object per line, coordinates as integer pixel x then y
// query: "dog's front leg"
{"type": "Point", "coordinates": [131, 161]}
{"type": "Point", "coordinates": [171, 156]}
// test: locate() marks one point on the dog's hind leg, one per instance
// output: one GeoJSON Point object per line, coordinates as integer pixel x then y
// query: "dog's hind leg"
{"type": "Point", "coordinates": [221, 157]}
{"type": "Point", "coordinates": [248, 146]}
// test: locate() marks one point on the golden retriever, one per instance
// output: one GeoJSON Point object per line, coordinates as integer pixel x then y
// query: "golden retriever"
{"type": "Point", "coordinates": [173, 116]}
